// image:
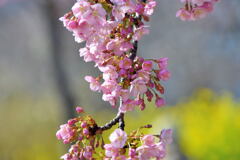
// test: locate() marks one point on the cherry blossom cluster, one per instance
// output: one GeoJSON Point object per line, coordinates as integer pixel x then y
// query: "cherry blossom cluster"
{"type": "Point", "coordinates": [111, 30]}
{"type": "Point", "coordinates": [86, 144]}
{"type": "Point", "coordinates": [140, 147]}
{"type": "Point", "coordinates": [195, 9]}
{"type": "Point", "coordinates": [77, 131]}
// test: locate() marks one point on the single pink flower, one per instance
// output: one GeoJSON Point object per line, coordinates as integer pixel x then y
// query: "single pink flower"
{"type": "Point", "coordinates": [79, 109]}
{"type": "Point", "coordinates": [183, 14]}
{"type": "Point", "coordinates": [94, 84]}
{"type": "Point", "coordinates": [118, 2]}
{"type": "Point", "coordinates": [110, 151]}
{"type": "Point", "coordinates": [138, 86]}
{"type": "Point", "coordinates": [66, 156]}
{"type": "Point", "coordinates": [118, 138]}
{"type": "Point", "coordinates": [84, 124]}
{"type": "Point", "coordinates": [166, 136]}
{"type": "Point", "coordinates": [126, 63]}
{"type": "Point", "coordinates": [164, 74]}
{"type": "Point", "coordinates": [109, 86]}
{"type": "Point", "coordinates": [65, 133]}
{"type": "Point", "coordinates": [128, 105]}
{"type": "Point", "coordinates": [146, 152]}
{"type": "Point", "coordinates": [139, 8]}
{"type": "Point", "coordinates": [162, 63]}
{"type": "Point", "coordinates": [150, 149]}
{"type": "Point", "coordinates": [139, 32]}
{"type": "Point", "coordinates": [88, 152]}
{"type": "Point", "coordinates": [147, 65]}
{"type": "Point", "coordinates": [124, 93]}
{"type": "Point", "coordinates": [96, 16]}
{"type": "Point", "coordinates": [109, 73]}
{"type": "Point", "coordinates": [85, 131]}
{"type": "Point", "coordinates": [132, 153]}
{"type": "Point", "coordinates": [110, 98]}
{"type": "Point", "coordinates": [71, 122]}
{"type": "Point", "coordinates": [148, 140]}
{"type": "Point", "coordinates": [80, 7]}
{"type": "Point", "coordinates": [144, 75]}
{"type": "Point", "coordinates": [118, 46]}
{"type": "Point", "coordinates": [198, 13]}
{"type": "Point", "coordinates": [118, 13]}
{"type": "Point", "coordinates": [72, 25]}
{"type": "Point", "coordinates": [149, 7]}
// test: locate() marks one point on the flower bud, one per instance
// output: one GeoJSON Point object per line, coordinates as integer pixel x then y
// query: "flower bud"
{"type": "Point", "coordinates": [79, 109]}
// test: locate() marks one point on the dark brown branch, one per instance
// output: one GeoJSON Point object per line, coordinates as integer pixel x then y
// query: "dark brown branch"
{"type": "Point", "coordinates": [118, 119]}
{"type": "Point", "coordinates": [134, 50]}
{"type": "Point", "coordinates": [112, 122]}
{"type": "Point", "coordinates": [121, 123]}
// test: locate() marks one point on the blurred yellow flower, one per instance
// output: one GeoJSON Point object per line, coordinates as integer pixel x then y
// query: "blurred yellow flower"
{"type": "Point", "coordinates": [207, 126]}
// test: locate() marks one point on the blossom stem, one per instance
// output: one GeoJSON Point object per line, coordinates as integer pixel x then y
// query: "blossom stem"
{"type": "Point", "coordinates": [114, 121]}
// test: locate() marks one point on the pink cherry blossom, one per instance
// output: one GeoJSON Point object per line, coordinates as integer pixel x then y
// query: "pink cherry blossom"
{"type": "Point", "coordinates": [94, 84]}
{"type": "Point", "coordinates": [118, 13]}
{"type": "Point", "coordinates": [149, 8]}
{"type": "Point", "coordinates": [139, 32]}
{"type": "Point", "coordinates": [148, 140]}
{"type": "Point", "coordinates": [109, 72]}
{"type": "Point", "coordinates": [118, 46]}
{"type": "Point", "coordinates": [110, 151]}
{"type": "Point", "coordinates": [147, 65]}
{"type": "Point", "coordinates": [79, 109]}
{"type": "Point", "coordinates": [166, 136]}
{"type": "Point", "coordinates": [85, 131]}
{"type": "Point", "coordinates": [71, 122]}
{"type": "Point", "coordinates": [118, 138]}
{"type": "Point", "coordinates": [164, 74]}
{"type": "Point", "coordinates": [122, 7]}
{"type": "Point", "coordinates": [162, 63]}
{"type": "Point", "coordinates": [118, 2]}
{"type": "Point", "coordinates": [80, 7]}
{"type": "Point", "coordinates": [88, 152]}
{"type": "Point", "coordinates": [183, 14]}
{"type": "Point", "coordinates": [109, 86]}
{"type": "Point", "coordinates": [148, 152]}
{"type": "Point", "coordinates": [125, 94]}
{"type": "Point", "coordinates": [132, 153]}
{"type": "Point", "coordinates": [143, 74]}
{"type": "Point", "coordinates": [126, 63]}
{"type": "Point", "coordinates": [84, 124]}
{"type": "Point", "coordinates": [128, 105]}
{"type": "Point", "coordinates": [66, 156]}
{"type": "Point", "coordinates": [95, 16]}
{"type": "Point", "coordinates": [150, 149]}
{"type": "Point", "coordinates": [195, 9]}
{"type": "Point", "coordinates": [65, 133]}
{"type": "Point", "coordinates": [138, 86]}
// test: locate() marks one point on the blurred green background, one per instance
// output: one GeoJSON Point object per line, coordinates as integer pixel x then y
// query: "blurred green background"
{"type": "Point", "coordinates": [42, 80]}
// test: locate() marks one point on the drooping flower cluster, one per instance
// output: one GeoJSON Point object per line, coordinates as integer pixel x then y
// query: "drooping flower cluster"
{"type": "Point", "coordinates": [139, 147]}
{"type": "Point", "coordinates": [111, 30]}
{"type": "Point", "coordinates": [195, 9]}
